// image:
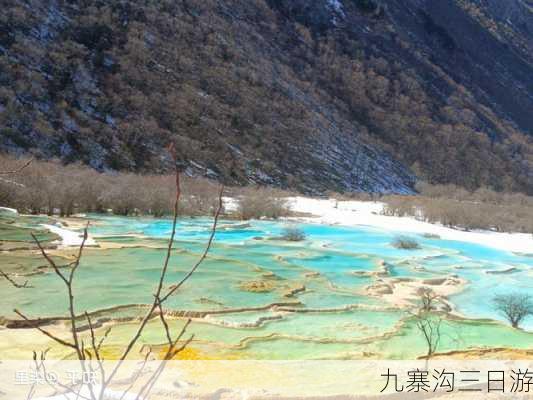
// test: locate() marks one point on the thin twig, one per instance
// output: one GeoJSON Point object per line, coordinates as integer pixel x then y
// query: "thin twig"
{"type": "Point", "coordinates": [150, 312]}
{"type": "Point", "coordinates": [46, 333]}
{"type": "Point", "coordinates": [164, 322]}
{"type": "Point", "coordinates": [17, 170]}
{"type": "Point", "coordinates": [78, 346]}
{"type": "Point", "coordinates": [169, 355]}
{"type": "Point", "coordinates": [96, 349]}
{"type": "Point", "coordinates": [49, 259]}
{"type": "Point", "coordinates": [14, 283]}
{"type": "Point", "coordinates": [206, 250]}
{"type": "Point", "coordinates": [103, 338]}
{"type": "Point", "coordinates": [137, 375]}
{"type": "Point", "coordinates": [40, 365]}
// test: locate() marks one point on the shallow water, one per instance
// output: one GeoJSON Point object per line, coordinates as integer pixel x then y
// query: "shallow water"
{"type": "Point", "coordinates": [342, 321]}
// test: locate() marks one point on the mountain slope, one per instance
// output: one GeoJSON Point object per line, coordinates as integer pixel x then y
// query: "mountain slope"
{"type": "Point", "coordinates": [306, 94]}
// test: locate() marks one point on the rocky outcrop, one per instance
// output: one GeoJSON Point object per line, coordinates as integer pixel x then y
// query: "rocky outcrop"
{"type": "Point", "coordinates": [292, 292]}
{"type": "Point", "coordinates": [263, 286]}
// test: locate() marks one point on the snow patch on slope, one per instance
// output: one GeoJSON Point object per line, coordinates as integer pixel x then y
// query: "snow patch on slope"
{"type": "Point", "coordinates": [337, 8]}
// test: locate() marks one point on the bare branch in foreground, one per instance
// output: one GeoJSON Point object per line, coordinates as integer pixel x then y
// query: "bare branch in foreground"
{"type": "Point", "coordinates": [137, 374]}
{"type": "Point", "coordinates": [49, 259]}
{"type": "Point", "coordinates": [46, 333]}
{"type": "Point", "coordinates": [158, 300]}
{"type": "Point", "coordinates": [103, 338]}
{"type": "Point", "coordinates": [68, 280]}
{"type": "Point", "coordinates": [175, 345]}
{"type": "Point", "coordinates": [160, 284]}
{"type": "Point", "coordinates": [14, 283]}
{"type": "Point", "coordinates": [206, 250]}
{"type": "Point", "coordinates": [172, 351]}
{"type": "Point", "coordinates": [40, 367]}
{"type": "Point", "coordinates": [96, 350]}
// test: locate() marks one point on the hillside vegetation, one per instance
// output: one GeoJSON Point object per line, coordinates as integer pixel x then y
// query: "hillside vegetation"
{"type": "Point", "coordinates": [313, 95]}
{"type": "Point", "coordinates": [458, 208]}
{"type": "Point", "coordinates": [48, 187]}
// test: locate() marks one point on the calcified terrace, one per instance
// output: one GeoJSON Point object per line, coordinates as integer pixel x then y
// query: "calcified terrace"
{"type": "Point", "coordinates": [342, 293]}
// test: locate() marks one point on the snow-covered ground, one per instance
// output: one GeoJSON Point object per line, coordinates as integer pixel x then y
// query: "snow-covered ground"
{"type": "Point", "coordinates": [11, 212]}
{"type": "Point", "coordinates": [353, 213]}
{"type": "Point", "coordinates": [68, 237]}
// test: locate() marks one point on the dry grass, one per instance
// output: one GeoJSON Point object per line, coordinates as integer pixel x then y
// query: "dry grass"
{"type": "Point", "coordinates": [261, 203]}
{"type": "Point", "coordinates": [456, 207]}
{"type": "Point", "coordinates": [63, 190]}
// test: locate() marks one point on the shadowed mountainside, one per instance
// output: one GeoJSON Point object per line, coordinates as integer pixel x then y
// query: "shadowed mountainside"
{"type": "Point", "coordinates": [303, 94]}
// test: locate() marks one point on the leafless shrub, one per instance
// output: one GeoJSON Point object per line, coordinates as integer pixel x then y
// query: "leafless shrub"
{"type": "Point", "coordinates": [8, 168]}
{"type": "Point", "coordinates": [156, 197]}
{"type": "Point", "coordinates": [455, 207]}
{"type": "Point", "coordinates": [427, 299]}
{"type": "Point", "coordinates": [515, 307]}
{"type": "Point", "coordinates": [347, 196]}
{"type": "Point", "coordinates": [431, 236]}
{"type": "Point", "coordinates": [428, 321]}
{"type": "Point", "coordinates": [429, 326]}
{"type": "Point", "coordinates": [259, 203]}
{"type": "Point", "coordinates": [199, 197]}
{"type": "Point", "coordinates": [293, 234]}
{"type": "Point", "coordinates": [124, 196]}
{"type": "Point", "coordinates": [67, 189]}
{"type": "Point", "coordinates": [405, 243]}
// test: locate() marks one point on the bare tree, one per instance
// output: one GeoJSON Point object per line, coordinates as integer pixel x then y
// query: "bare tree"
{"type": "Point", "coordinates": [427, 321]}
{"type": "Point", "coordinates": [427, 298]}
{"type": "Point", "coordinates": [92, 351]}
{"type": "Point", "coordinates": [293, 234]}
{"type": "Point", "coordinates": [24, 285]}
{"type": "Point", "coordinates": [260, 202]}
{"type": "Point", "coordinates": [515, 307]}
{"type": "Point", "coordinates": [53, 188]}
{"type": "Point", "coordinates": [14, 171]}
{"type": "Point", "coordinates": [430, 327]}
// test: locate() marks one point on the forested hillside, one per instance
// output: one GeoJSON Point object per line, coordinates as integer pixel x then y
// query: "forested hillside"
{"type": "Point", "coordinates": [310, 95]}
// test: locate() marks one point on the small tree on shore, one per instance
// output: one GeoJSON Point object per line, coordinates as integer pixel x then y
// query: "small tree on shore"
{"type": "Point", "coordinates": [427, 322]}
{"type": "Point", "coordinates": [429, 325]}
{"type": "Point", "coordinates": [515, 307]}
{"type": "Point", "coordinates": [427, 298]}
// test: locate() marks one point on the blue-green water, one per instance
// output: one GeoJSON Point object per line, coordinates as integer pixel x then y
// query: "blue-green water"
{"type": "Point", "coordinates": [245, 253]}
